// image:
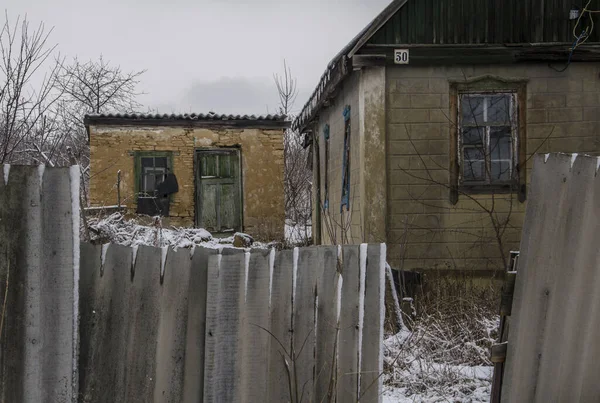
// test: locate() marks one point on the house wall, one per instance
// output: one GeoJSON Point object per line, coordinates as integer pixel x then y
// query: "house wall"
{"type": "Point", "coordinates": [563, 112]}
{"type": "Point", "coordinates": [347, 223]}
{"type": "Point", "coordinates": [262, 170]}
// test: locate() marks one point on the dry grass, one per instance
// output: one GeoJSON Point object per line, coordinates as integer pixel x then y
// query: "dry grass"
{"type": "Point", "coordinates": [443, 355]}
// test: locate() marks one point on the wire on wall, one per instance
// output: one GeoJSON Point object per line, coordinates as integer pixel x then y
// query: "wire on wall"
{"type": "Point", "coordinates": [582, 36]}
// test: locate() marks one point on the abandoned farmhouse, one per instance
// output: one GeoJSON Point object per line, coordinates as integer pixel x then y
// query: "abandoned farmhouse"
{"type": "Point", "coordinates": [220, 172]}
{"type": "Point", "coordinates": [423, 126]}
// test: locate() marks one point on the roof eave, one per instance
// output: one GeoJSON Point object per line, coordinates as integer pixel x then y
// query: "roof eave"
{"type": "Point", "coordinates": [347, 52]}
{"type": "Point", "coordinates": [228, 123]}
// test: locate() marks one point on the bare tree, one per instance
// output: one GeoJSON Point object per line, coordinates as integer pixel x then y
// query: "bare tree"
{"type": "Point", "coordinates": [297, 182]}
{"type": "Point", "coordinates": [96, 86]}
{"type": "Point", "coordinates": [90, 87]}
{"type": "Point", "coordinates": [26, 97]}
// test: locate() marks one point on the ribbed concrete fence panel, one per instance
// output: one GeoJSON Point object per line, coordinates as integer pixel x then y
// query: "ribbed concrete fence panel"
{"type": "Point", "coordinates": [553, 354]}
{"type": "Point", "coordinates": [109, 323]}
{"type": "Point", "coordinates": [39, 259]}
{"type": "Point", "coordinates": [231, 326]}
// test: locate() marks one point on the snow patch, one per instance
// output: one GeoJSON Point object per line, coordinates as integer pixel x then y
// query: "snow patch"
{"type": "Point", "coordinates": [361, 302]}
{"type": "Point", "coordinates": [41, 170]}
{"type": "Point", "coordinates": [164, 251]}
{"type": "Point", "coordinates": [573, 158]}
{"type": "Point", "coordinates": [6, 173]}
{"type": "Point", "coordinates": [116, 229]}
{"type": "Point", "coordinates": [546, 157]}
{"type": "Point", "coordinates": [294, 275]}
{"type": "Point", "coordinates": [246, 272]}
{"type": "Point", "coordinates": [75, 217]}
{"type": "Point", "coordinates": [382, 263]}
{"type": "Point", "coordinates": [134, 251]}
{"type": "Point", "coordinates": [192, 250]}
{"type": "Point", "coordinates": [597, 164]}
{"type": "Point", "coordinates": [104, 250]}
{"type": "Point", "coordinates": [338, 297]}
{"type": "Point", "coordinates": [271, 270]}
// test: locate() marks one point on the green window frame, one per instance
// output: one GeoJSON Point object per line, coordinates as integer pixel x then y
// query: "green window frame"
{"type": "Point", "coordinates": [144, 173]}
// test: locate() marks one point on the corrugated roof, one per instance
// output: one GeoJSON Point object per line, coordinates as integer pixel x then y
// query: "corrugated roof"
{"type": "Point", "coordinates": [191, 117]}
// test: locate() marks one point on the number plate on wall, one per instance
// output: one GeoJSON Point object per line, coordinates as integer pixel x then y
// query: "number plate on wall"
{"type": "Point", "coordinates": [401, 56]}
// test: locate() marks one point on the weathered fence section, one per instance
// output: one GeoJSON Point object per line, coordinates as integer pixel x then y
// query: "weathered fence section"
{"type": "Point", "coordinates": [231, 325]}
{"type": "Point", "coordinates": [553, 354]}
{"type": "Point", "coordinates": [39, 258]}
{"type": "Point", "coordinates": [108, 323]}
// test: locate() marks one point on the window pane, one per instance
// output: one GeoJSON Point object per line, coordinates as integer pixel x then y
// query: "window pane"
{"type": "Point", "coordinates": [501, 153]}
{"type": "Point", "coordinates": [147, 162]}
{"type": "Point", "coordinates": [224, 166]}
{"type": "Point", "coordinates": [472, 109]}
{"type": "Point", "coordinates": [501, 170]}
{"type": "Point", "coordinates": [151, 178]}
{"type": "Point", "coordinates": [160, 162]}
{"type": "Point", "coordinates": [473, 136]}
{"type": "Point", "coordinates": [148, 184]}
{"type": "Point", "coordinates": [159, 178]}
{"type": "Point", "coordinates": [474, 164]}
{"type": "Point", "coordinates": [498, 109]}
{"type": "Point", "coordinates": [209, 165]}
{"type": "Point", "coordinates": [500, 143]}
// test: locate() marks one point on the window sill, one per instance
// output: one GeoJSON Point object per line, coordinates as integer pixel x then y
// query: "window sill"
{"type": "Point", "coordinates": [487, 189]}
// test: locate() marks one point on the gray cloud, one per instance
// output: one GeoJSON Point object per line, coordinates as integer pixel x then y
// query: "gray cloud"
{"type": "Point", "coordinates": [187, 46]}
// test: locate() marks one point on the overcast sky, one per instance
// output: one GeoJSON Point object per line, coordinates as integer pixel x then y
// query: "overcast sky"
{"type": "Point", "coordinates": [203, 55]}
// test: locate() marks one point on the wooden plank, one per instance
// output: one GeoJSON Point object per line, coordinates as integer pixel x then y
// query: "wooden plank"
{"type": "Point", "coordinates": [303, 322]}
{"type": "Point", "coordinates": [347, 378]}
{"type": "Point", "coordinates": [256, 319]}
{"type": "Point", "coordinates": [228, 358]}
{"type": "Point", "coordinates": [193, 383]}
{"type": "Point", "coordinates": [212, 299]}
{"type": "Point", "coordinates": [371, 381]}
{"type": "Point", "coordinates": [281, 327]}
{"type": "Point", "coordinates": [172, 327]}
{"type": "Point", "coordinates": [327, 325]}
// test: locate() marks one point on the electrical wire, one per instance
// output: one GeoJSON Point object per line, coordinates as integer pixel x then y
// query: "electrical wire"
{"type": "Point", "coordinates": [580, 38]}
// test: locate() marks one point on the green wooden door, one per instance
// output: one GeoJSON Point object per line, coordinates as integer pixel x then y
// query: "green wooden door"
{"type": "Point", "coordinates": [218, 198]}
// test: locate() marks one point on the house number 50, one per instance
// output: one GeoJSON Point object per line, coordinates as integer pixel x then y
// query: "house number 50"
{"type": "Point", "coordinates": [401, 56]}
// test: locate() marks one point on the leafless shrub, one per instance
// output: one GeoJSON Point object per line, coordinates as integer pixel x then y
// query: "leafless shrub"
{"type": "Point", "coordinates": [297, 175]}
{"type": "Point", "coordinates": [444, 351]}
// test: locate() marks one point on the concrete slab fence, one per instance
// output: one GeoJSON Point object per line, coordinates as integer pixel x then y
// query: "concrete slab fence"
{"type": "Point", "coordinates": [553, 353]}
{"type": "Point", "coordinates": [108, 323]}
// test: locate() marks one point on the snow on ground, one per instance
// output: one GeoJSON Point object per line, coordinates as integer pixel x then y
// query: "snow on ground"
{"type": "Point", "coordinates": [296, 233]}
{"type": "Point", "coordinates": [117, 229]}
{"type": "Point", "coordinates": [415, 377]}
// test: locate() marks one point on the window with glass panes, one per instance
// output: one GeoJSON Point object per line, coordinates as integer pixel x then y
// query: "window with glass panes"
{"type": "Point", "coordinates": [487, 137]}
{"type": "Point", "coordinates": [153, 172]}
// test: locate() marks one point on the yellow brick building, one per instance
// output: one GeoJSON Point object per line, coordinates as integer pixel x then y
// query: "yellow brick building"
{"type": "Point", "coordinates": [228, 169]}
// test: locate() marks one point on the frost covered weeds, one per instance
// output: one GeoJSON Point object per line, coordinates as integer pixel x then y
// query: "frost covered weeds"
{"type": "Point", "coordinates": [443, 354]}
{"type": "Point", "coordinates": [115, 228]}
